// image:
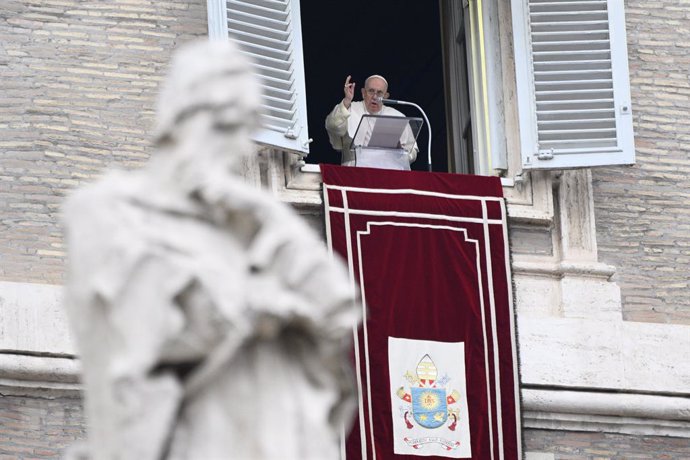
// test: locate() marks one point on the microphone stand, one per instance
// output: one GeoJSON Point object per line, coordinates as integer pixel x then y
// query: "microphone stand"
{"type": "Point", "coordinates": [428, 125]}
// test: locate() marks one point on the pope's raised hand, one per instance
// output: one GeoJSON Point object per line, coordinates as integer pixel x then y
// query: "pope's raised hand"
{"type": "Point", "coordinates": [348, 91]}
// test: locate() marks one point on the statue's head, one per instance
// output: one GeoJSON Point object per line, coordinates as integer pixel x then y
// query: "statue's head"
{"type": "Point", "coordinates": [211, 78]}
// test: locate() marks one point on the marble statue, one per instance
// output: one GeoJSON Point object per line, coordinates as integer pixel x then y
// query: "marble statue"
{"type": "Point", "coordinates": [210, 320]}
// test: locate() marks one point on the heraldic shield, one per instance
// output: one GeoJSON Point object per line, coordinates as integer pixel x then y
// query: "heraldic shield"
{"type": "Point", "coordinates": [429, 407]}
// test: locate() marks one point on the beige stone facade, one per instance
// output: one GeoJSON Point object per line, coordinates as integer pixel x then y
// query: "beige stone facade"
{"type": "Point", "coordinates": [642, 212]}
{"type": "Point", "coordinates": [78, 81]}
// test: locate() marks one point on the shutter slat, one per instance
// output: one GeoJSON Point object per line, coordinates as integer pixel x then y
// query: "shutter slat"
{"type": "Point", "coordinates": [247, 38]}
{"type": "Point", "coordinates": [278, 93]}
{"type": "Point", "coordinates": [564, 66]}
{"type": "Point", "coordinates": [276, 12]}
{"type": "Point", "coordinates": [270, 64]}
{"type": "Point", "coordinates": [562, 85]}
{"type": "Point", "coordinates": [279, 5]}
{"type": "Point", "coordinates": [572, 26]}
{"type": "Point", "coordinates": [567, 96]}
{"type": "Point", "coordinates": [580, 133]}
{"type": "Point", "coordinates": [570, 35]}
{"type": "Point", "coordinates": [276, 75]}
{"type": "Point", "coordinates": [259, 21]}
{"type": "Point", "coordinates": [574, 75]}
{"type": "Point", "coordinates": [537, 36]}
{"type": "Point", "coordinates": [585, 140]}
{"type": "Point", "coordinates": [560, 105]}
{"type": "Point", "coordinates": [284, 104]}
{"type": "Point", "coordinates": [585, 143]}
{"type": "Point", "coordinates": [583, 124]}
{"type": "Point", "coordinates": [279, 51]}
{"type": "Point", "coordinates": [595, 52]}
{"type": "Point", "coordinates": [566, 16]}
{"type": "Point", "coordinates": [581, 43]}
{"type": "Point", "coordinates": [596, 5]}
{"type": "Point", "coordinates": [274, 123]}
{"type": "Point", "coordinates": [272, 110]}
{"type": "Point", "coordinates": [258, 30]}
{"type": "Point", "coordinates": [278, 83]}
{"type": "Point", "coordinates": [593, 111]}
{"type": "Point", "coordinates": [556, 123]}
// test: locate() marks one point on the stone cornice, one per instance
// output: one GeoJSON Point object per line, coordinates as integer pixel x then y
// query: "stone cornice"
{"type": "Point", "coordinates": [627, 413]}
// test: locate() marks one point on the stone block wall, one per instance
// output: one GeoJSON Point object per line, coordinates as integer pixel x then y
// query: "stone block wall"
{"type": "Point", "coordinates": [79, 81]}
{"type": "Point", "coordinates": [39, 427]}
{"type": "Point", "coordinates": [572, 445]}
{"type": "Point", "coordinates": [643, 211]}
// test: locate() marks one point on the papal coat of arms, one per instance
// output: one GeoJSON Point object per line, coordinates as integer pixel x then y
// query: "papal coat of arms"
{"type": "Point", "coordinates": [429, 403]}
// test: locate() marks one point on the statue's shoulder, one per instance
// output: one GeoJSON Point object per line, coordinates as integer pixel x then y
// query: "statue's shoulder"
{"type": "Point", "coordinates": [100, 203]}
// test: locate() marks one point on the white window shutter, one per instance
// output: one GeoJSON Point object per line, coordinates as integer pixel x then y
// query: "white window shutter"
{"type": "Point", "coordinates": [572, 83]}
{"type": "Point", "coordinates": [270, 33]}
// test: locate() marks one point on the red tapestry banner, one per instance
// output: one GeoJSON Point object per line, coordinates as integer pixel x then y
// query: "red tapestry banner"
{"type": "Point", "coordinates": [436, 356]}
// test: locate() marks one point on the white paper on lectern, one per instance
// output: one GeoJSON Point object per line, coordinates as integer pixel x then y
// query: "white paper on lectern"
{"type": "Point", "coordinates": [388, 132]}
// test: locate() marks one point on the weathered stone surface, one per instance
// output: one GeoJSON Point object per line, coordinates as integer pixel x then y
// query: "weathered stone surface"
{"type": "Point", "coordinates": [78, 86]}
{"type": "Point", "coordinates": [643, 211]}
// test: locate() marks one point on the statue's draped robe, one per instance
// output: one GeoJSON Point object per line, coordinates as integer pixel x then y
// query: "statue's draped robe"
{"type": "Point", "coordinates": [211, 323]}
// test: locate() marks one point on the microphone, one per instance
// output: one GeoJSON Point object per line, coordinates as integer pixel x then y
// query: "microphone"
{"type": "Point", "coordinates": [381, 100]}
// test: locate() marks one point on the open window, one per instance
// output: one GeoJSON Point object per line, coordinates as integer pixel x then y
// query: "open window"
{"type": "Point", "coordinates": [571, 75]}
{"type": "Point", "coordinates": [401, 41]}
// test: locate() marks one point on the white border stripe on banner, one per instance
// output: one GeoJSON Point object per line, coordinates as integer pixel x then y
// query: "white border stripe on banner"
{"type": "Point", "coordinates": [482, 307]}
{"type": "Point", "coordinates": [327, 216]}
{"type": "Point", "coordinates": [329, 245]}
{"type": "Point", "coordinates": [486, 358]}
{"type": "Point", "coordinates": [494, 331]}
{"type": "Point", "coordinates": [511, 312]}
{"type": "Point", "coordinates": [418, 215]}
{"type": "Point", "coordinates": [410, 191]}
{"type": "Point", "coordinates": [358, 371]}
{"type": "Point", "coordinates": [365, 330]}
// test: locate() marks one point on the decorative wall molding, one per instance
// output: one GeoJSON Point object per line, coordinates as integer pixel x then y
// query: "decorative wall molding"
{"type": "Point", "coordinates": [561, 269]}
{"type": "Point", "coordinates": [638, 414]}
{"type": "Point", "coordinates": [25, 375]}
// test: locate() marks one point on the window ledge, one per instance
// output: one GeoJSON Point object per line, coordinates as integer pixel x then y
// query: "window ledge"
{"type": "Point", "coordinates": [304, 180]}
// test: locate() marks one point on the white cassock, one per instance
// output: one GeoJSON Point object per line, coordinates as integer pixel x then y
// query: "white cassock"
{"type": "Point", "coordinates": [341, 125]}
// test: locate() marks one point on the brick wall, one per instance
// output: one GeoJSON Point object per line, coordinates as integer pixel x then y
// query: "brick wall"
{"type": "Point", "coordinates": [569, 445]}
{"type": "Point", "coordinates": [79, 81]}
{"type": "Point", "coordinates": [38, 427]}
{"type": "Point", "coordinates": [643, 212]}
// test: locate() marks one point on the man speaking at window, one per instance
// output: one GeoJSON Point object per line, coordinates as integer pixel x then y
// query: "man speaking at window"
{"type": "Point", "coordinates": [343, 120]}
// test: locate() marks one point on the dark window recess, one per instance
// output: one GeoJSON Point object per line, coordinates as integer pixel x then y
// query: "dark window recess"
{"type": "Point", "coordinates": [400, 40]}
